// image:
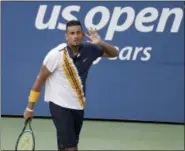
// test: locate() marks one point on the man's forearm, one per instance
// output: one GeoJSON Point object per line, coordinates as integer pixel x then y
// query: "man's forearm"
{"type": "Point", "coordinates": [36, 89]}
{"type": "Point", "coordinates": [109, 49]}
{"type": "Point", "coordinates": [39, 82]}
{"type": "Point", "coordinates": [37, 86]}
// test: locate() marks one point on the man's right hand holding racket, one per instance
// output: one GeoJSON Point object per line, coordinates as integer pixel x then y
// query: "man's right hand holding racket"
{"type": "Point", "coordinates": [28, 113]}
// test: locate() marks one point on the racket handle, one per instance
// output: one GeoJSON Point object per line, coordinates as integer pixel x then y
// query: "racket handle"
{"type": "Point", "coordinates": [27, 120]}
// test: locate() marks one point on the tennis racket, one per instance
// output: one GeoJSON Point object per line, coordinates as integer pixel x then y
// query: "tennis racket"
{"type": "Point", "coordinates": [26, 139]}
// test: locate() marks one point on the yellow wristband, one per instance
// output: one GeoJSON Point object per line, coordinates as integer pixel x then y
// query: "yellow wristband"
{"type": "Point", "coordinates": [33, 96]}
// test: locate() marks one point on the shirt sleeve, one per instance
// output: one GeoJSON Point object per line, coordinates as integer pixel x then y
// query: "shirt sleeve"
{"type": "Point", "coordinates": [96, 51]}
{"type": "Point", "coordinates": [51, 61]}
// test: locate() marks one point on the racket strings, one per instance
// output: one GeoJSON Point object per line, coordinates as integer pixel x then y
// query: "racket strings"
{"type": "Point", "coordinates": [25, 142]}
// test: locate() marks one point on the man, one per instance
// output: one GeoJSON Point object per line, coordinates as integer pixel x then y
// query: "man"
{"type": "Point", "coordinates": [64, 72]}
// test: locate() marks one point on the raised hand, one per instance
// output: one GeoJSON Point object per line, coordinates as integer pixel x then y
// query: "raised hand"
{"type": "Point", "coordinates": [93, 36]}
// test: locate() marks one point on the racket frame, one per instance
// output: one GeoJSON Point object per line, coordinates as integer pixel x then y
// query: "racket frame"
{"type": "Point", "coordinates": [26, 123]}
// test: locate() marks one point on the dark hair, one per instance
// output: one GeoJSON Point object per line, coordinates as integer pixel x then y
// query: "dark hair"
{"type": "Point", "coordinates": [73, 23]}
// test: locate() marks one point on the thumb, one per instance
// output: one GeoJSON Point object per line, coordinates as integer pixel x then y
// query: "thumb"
{"type": "Point", "coordinates": [87, 35]}
{"type": "Point", "coordinates": [89, 41]}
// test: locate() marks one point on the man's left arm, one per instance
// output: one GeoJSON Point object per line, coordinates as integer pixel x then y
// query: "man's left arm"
{"type": "Point", "coordinates": [109, 50]}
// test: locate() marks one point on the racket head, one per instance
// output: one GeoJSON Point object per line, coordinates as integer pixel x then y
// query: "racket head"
{"type": "Point", "coordinates": [26, 140]}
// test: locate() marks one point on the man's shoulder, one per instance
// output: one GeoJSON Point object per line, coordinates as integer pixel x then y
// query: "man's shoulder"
{"type": "Point", "coordinates": [56, 50]}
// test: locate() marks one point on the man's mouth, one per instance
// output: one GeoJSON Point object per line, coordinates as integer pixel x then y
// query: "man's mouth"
{"type": "Point", "coordinates": [76, 41]}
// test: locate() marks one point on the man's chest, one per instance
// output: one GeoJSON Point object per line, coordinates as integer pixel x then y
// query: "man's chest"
{"type": "Point", "coordinates": [82, 62]}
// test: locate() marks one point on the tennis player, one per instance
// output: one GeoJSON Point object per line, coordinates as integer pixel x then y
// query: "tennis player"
{"type": "Point", "coordinates": [64, 73]}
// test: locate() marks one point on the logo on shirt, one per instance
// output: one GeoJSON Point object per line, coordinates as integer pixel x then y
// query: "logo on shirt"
{"type": "Point", "coordinates": [78, 55]}
{"type": "Point", "coordinates": [84, 59]}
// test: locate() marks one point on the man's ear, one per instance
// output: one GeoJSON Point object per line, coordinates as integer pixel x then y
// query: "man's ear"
{"type": "Point", "coordinates": [83, 34]}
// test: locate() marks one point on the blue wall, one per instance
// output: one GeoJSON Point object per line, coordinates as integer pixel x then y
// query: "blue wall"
{"type": "Point", "coordinates": [145, 86]}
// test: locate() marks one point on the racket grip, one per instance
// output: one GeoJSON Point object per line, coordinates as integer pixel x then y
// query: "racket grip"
{"type": "Point", "coordinates": [27, 121]}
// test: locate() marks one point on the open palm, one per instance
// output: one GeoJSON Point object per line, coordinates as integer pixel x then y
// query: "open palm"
{"type": "Point", "coordinates": [93, 36]}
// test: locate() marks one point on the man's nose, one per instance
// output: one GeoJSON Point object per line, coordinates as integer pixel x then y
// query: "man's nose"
{"type": "Point", "coordinates": [76, 35]}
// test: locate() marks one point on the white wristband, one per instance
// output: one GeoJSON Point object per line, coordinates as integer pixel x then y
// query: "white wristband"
{"type": "Point", "coordinates": [28, 109]}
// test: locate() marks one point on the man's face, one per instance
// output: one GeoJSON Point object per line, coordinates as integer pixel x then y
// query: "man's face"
{"type": "Point", "coordinates": [74, 35]}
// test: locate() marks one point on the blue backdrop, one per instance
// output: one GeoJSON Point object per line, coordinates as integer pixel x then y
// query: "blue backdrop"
{"type": "Point", "coordinates": [145, 82]}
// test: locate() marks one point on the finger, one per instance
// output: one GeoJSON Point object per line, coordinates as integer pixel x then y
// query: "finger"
{"type": "Point", "coordinates": [29, 116]}
{"type": "Point", "coordinates": [95, 30]}
{"type": "Point", "coordinates": [87, 35]}
{"type": "Point", "coordinates": [25, 117]}
{"type": "Point", "coordinates": [92, 31]}
{"type": "Point", "coordinates": [89, 30]}
{"type": "Point", "coordinates": [89, 41]}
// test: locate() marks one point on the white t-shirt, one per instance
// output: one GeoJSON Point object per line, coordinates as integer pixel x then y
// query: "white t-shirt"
{"type": "Point", "coordinates": [64, 86]}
